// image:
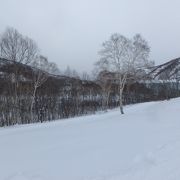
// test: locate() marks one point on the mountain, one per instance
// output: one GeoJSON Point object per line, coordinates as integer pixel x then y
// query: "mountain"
{"type": "Point", "coordinates": [167, 71]}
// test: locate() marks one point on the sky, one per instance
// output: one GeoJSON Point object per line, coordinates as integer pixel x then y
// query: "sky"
{"type": "Point", "coordinates": [70, 32]}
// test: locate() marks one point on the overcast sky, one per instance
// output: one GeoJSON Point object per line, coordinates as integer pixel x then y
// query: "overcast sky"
{"type": "Point", "coordinates": [70, 32]}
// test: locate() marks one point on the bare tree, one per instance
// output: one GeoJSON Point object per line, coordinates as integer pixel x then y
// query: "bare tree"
{"type": "Point", "coordinates": [85, 76]}
{"type": "Point", "coordinates": [68, 71]}
{"type": "Point", "coordinates": [104, 80]}
{"type": "Point", "coordinates": [124, 57]}
{"type": "Point", "coordinates": [39, 78]}
{"type": "Point", "coordinates": [71, 73]}
{"type": "Point", "coordinates": [53, 69]}
{"type": "Point", "coordinates": [16, 47]}
{"type": "Point", "coordinates": [75, 74]}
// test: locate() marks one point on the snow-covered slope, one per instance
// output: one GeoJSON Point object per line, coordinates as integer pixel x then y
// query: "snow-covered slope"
{"type": "Point", "coordinates": [143, 144]}
{"type": "Point", "coordinates": [167, 71]}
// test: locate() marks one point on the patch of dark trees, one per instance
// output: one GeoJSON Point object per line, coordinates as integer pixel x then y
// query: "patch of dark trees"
{"type": "Point", "coordinates": [62, 97]}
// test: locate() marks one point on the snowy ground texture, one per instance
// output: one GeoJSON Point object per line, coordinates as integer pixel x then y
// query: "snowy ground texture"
{"type": "Point", "coordinates": [143, 144]}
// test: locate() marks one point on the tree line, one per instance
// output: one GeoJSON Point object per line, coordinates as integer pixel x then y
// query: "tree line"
{"type": "Point", "coordinates": [32, 89]}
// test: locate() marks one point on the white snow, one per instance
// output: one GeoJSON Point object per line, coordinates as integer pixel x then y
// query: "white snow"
{"type": "Point", "coordinates": [143, 144]}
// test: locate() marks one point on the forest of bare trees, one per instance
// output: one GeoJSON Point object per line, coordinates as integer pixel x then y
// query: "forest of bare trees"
{"type": "Point", "coordinates": [32, 89]}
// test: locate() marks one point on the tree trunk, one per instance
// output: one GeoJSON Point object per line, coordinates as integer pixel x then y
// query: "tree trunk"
{"type": "Point", "coordinates": [107, 100]}
{"type": "Point", "coordinates": [32, 102]}
{"type": "Point", "coordinates": [104, 101]}
{"type": "Point", "coordinates": [121, 101]}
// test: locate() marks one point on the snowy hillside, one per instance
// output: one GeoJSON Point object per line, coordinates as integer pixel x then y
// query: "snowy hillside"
{"type": "Point", "coordinates": [143, 144]}
{"type": "Point", "coordinates": [167, 71]}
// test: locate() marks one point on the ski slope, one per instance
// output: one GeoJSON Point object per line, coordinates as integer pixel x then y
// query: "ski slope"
{"type": "Point", "coordinates": [143, 144]}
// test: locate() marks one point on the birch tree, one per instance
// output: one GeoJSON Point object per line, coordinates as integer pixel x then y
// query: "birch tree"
{"type": "Point", "coordinates": [124, 58]}
{"type": "Point", "coordinates": [39, 78]}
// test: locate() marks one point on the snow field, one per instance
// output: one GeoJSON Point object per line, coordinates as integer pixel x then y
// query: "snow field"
{"type": "Point", "coordinates": [143, 144]}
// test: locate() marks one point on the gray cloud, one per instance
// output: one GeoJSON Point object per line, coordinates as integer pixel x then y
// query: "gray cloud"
{"type": "Point", "coordinates": [70, 32]}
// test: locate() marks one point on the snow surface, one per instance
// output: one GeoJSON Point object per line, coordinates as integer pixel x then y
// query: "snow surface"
{"type": "Point", "coordinates": [143, 144]}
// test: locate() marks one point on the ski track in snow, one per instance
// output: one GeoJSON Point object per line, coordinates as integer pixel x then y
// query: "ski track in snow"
{"type": "Point", "coordinates": [143, 144]}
